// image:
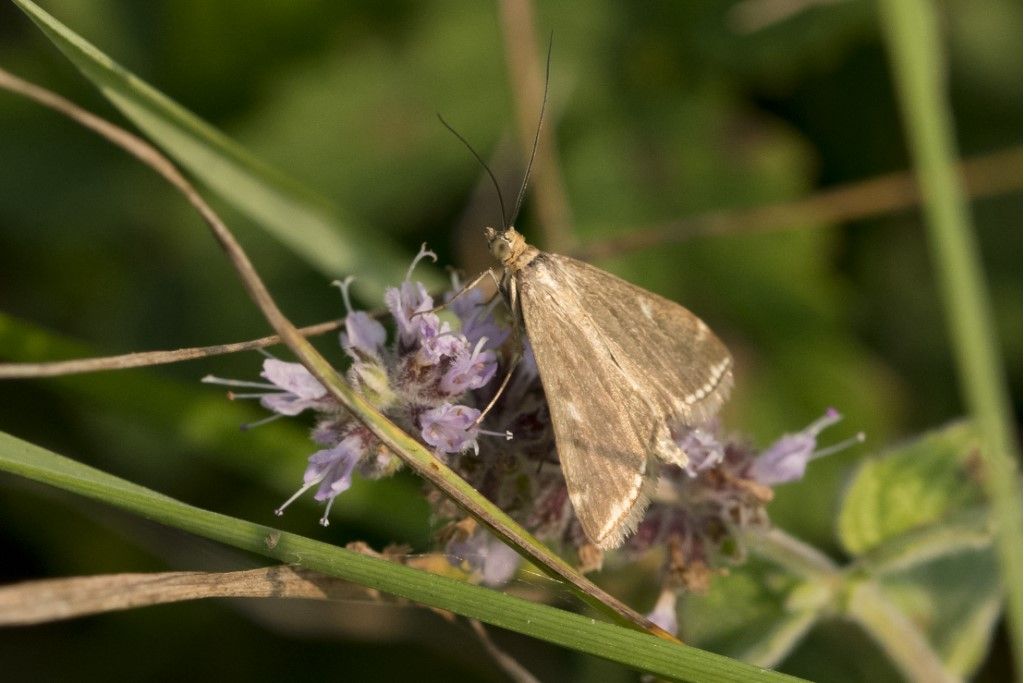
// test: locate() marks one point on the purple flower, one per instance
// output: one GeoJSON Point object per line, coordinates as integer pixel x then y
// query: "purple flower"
{"type": "Point", "coordinates": [331, 468]}
{"type": "Point", "coordinates": [664, 612]}
{"type": "Point", "coordinates": [411, 298]}
{"type": "Point", "coordinates": [300, 389]}
{"type": "Point", "coordinates": [477, 318]}
{"type": "Point", "coordinates": [485, 555]}
{"type": "Point", "coordinates": [703, 450]}
{"type": "Point", "coordinates": [786, 459]}
{"type": "Point", "coordinates": [404, 302]}
{"type": "Point", "coordinates": [438, 341]}
{"type": "Point", "coordinates": [470, 370]}
{"type": "Point", "coordinates": [363, 336]}
{"type": "Point", "coordinates": [450, 428]}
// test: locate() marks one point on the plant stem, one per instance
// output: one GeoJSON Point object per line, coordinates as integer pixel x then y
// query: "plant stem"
{"type": "Point", "coordinates": [550, 200]}
{"type": "Point", "coordinates": [895, 633]}
{"type": "Point", "coordinates": [912, 36]}
{"type": "Point", "coordinates": [791, 553]}
{"type": "Point", "coordinates": [985, 175]}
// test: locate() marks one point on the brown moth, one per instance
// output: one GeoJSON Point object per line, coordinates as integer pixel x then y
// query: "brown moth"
{"type": "Point", "coordinates": [621, 368]}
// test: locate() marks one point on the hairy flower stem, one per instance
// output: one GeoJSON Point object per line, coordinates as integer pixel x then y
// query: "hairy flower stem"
{"type": "Point", "coordinates": [895, 633]}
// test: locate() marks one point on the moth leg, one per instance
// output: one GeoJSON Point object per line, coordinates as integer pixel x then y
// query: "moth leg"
{"type": "Point", "coordinates": [517, 344]}
{"type": "Point", "coordinates": [513, 362]}
{"type": "Point", "coordinates": [465, 289]}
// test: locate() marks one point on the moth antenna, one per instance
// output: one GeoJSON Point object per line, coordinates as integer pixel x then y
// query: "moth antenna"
{"type": "Point", "coordinates": [494, 181]}
{"type": "Point", "coordinates": [536, 137]}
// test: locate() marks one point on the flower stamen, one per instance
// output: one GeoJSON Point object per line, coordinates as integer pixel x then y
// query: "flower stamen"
{"type": "Point", "coordinates": [422, 254]}
{"type": "Point", "coordinates": [211, 379]}
{"type": "Point", "coordinates": [259, 423]}
{"type": "Point", "coordinates": [859, 437]}
{"type": "Point", "coordinates": [343, 285]}
{"type": "Point", "coordinates": [324, 521]}
{"type": "Point", "coordinates": [295, 496]}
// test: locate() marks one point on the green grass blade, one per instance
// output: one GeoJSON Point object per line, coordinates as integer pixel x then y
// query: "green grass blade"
{"type": "Point", "coordinates": [302, 221]}
{"type": "Point", "coordinates": [911, 29]}
{"type": "Point", "coordinates": [570, 630]}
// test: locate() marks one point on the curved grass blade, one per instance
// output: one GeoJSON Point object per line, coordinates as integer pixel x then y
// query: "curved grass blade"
{"type": "Point", "coordinates": [301, 220]}
{"type": "Point", "coordinates": [615, 643]}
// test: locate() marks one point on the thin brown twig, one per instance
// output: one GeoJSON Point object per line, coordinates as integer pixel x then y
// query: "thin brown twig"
{"type": "Point", "coordinates": [550, 201]}
{"type": "Point", "coordinates": [148, 358]}
{"type": "Point", "coordinates": [402, 444]}
{"type": "Point", "coordinates": [48, 600]}
{"type": "Point", "coordinates": [516, 671]}
{"type": "Point", "coordinates": [36, 602]}
{"type": "Point", "coordinates": [750, 16]}
{"type": "Point", "coordinates": [985, 175]}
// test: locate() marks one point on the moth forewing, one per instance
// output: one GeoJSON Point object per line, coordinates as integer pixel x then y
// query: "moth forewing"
{"type": "Point", "coordinates": [621, 367]}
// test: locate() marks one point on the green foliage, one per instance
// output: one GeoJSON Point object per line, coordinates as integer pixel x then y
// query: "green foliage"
{"type": "Point", "coordinates": [295, 216]}
{"type": "Point", "coordinates": [922, 556]}
{"type": "Point", "coordinates": [915, 485]}
{"type": "Point", "coordinates": [641, 651]}
{"type": "Point", "coordinates": [660, 112]}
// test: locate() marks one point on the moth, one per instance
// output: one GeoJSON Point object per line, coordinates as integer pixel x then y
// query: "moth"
{"type": "Point", "coordinates": [622, 368]}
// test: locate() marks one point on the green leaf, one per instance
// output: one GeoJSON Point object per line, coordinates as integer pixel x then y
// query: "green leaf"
{"type": "Point", "coordinates": [955, 601]}
{"type": "Point", "coordinates": [756, 614]}
{"type": "Point", "coordinates": [302, 221]}
{"type": "Point", "coordinates": [580, 633]}
{"type": "Point", "coordinates": [970, 530]}
{"type": "Point", "coordinates": [913, 486]}
{"type": "Point", "coordinates": [916, 518]}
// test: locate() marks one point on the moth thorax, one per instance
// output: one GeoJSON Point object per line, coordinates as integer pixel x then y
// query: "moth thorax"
{"type": "Point", "coordinates": [506, 246]}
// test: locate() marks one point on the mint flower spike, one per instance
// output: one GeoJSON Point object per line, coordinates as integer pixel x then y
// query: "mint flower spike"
{"type": "Point", "coordinates": [786, 460]}
{"type": "Point", "coordinates": [363, 336]}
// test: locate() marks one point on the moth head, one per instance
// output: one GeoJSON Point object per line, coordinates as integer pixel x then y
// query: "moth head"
{"type": "Point", "coordinates": [507, 245]}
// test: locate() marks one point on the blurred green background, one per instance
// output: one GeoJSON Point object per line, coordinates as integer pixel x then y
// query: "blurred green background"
{"type": "Point", "coordinates": [661, 111]}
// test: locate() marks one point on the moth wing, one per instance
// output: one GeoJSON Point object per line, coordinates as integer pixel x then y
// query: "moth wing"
{"type": "Point", "coordinates": [618, 364]}
{"type": "Point", "coordinates": [680, 364]}
{"type": "Point", "coordinates": [603, 430]}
